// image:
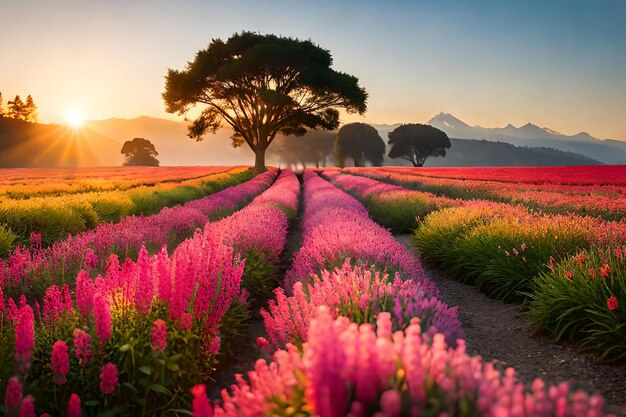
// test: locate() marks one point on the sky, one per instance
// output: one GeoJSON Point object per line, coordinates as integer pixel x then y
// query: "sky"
{"type": "Point", "coordinates": [559, 64]}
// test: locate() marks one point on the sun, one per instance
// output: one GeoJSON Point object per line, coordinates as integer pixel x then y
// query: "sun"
{"type": "Point", "coordinates": [74, 117]}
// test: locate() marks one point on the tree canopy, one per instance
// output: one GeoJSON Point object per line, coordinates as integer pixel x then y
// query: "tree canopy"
{"type": "Point", "coordinates": [140, 152]}
{"type": "Point", "coordinates": [262, 85]}
{"type": "Point", "coordinates": [361, 142]}
{"type": "Point", "coordinates": [17, 109]}
{"type": "Point", "coordinates": [416, 142]}
{"type": "Point", "coordinates": [315, 147]}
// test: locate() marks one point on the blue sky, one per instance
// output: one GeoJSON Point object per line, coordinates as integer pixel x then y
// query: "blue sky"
{"type": "Point", "coordinates": [559, 64]}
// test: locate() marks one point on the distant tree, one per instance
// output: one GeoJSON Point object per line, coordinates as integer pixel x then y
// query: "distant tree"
{"type": "Point", "coordinates": [315, 148]}
{"type": "Point", "coordinates": [15, 108]}
{"type": "Point", "coordinates": [29, 113]}
{"type": "Point", "coordinates": [140, 152]}
{"type": "Point", "coordinates": [416, 142]}
{"type": "Point", "coordinates": [262, 85]}
{"type": "Point", "coordinates": [361, 142]}
{"type": "Point", "coordinates": [1, 109]}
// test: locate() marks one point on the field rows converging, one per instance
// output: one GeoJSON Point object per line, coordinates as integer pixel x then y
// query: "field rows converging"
{"type": "Point", "coordinates": [595, 198]}
{"type": "Point", "coordinates": [569, 269]}
{"type": "Point", "coordinates": [143, 317]}
{"type": "Point", "coordinates": [50, 213]}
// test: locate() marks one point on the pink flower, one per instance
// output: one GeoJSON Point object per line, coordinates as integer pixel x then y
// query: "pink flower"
{"type": "Point", "coordinates": [262, 343]}
{"type": "Point", "coordinates": [91, 259]}
{"type": "Point", "coordinates": [73, 407]}
{"type": "Point", "coordinates": [214, 346]}
{"type": "Point", "coordinates": [13, 395]}
{"type": "Point", "coordinates": [85, 290]}
{"type": "Point", "coordinates": [102, 314]}
{"type": "Point", "coordinates": [60, 362]}
{"type": "Point", "coordinates": [569, 275]}
{"type": "Point", "coordinates": [27, 409]}
{"type": "Point", "coordinates": [612, 303]}
{"type": "Point", "coordinates": [159, 336]}
{"type": "Point", "coordinates": [592, 272]}
{"type": "Point", "coordinates": [201, 405]}
{"type": "Point", "coordinates": [82, 346]}
{"type": "Point", "coordinates": [108, 378]}
{"type": "Point", "coordinates": [24, 338]}
{"type": "Point", "coordinates": [523, 247]}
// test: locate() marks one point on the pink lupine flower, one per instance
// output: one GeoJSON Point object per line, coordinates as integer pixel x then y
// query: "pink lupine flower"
{"type": "Point", "coordinates": [27, 408]}
{"type": "Point", "coordinates": [60, 362]}
{"type": "Point", "coordinates": [91, 259]}
{"type": "Point", "coordinates": [214, 346]}
{"type": "Point", "coordinates": [612, 303]}
{"type": "Point", "coordinates": [13, 395]}
{"type": "Point", "coordinates": [108, 378]}
{"type": "Point", "coordinates": [159, 336]}
{"type": "Point", "coordinates": [85, 290]}
{"type": "Point", "coordinates": [74, 407]}
{"type": "Point", "coordinates": [24, 338]}
{"type": "Point", "coordinates": [144, 290]}
{"type": "Point", "coordinates": [102, 314]}
{"type": "Point", "coordinates": [82, 346]}
{"type": "Point", "coordinates": [201, 406]}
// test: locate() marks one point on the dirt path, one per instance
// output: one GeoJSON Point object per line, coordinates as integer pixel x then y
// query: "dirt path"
{"type": "Point", "coordinates": [499, 331]}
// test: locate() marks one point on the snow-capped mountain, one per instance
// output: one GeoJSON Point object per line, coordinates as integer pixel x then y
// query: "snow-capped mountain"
{"type": "Point", "coordinates": [608, 151]}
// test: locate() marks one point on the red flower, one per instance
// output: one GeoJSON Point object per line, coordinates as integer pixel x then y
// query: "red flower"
{"type": "Point", "coordinates": [612, 303]}
{"type": "Point", "coordinates": [108, 378]}
{"type": "Point", "coordinates": [569, 275]}
{"type": "Point", "coordinates": [605, 270]}
{"type": "Point", "coordinates": [201, 406]}
{"type": "Point", "coordinates": [60, 362]}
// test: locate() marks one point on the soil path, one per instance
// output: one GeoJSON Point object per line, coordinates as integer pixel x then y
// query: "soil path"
{"type": "Point", "coordinates": [501, 332]}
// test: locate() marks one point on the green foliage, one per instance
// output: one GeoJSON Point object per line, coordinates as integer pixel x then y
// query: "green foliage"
{"type": "Point", "coordinates": [570, 301]}
{"type": "Point", "coordinates": [7, 238]}
{"type": "Point", "coordinates": [234, 332]}
{"type": "Point", "coordinates": [271, 84]}
{"type": "Point", "coordinates": [399, 212]}
{"type": "Point", "coordinates": [361, 142]}
{"type": "Point", "coordinates": [260, 274]}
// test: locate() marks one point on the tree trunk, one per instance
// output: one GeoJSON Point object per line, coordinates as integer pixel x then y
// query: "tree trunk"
{"type": "Point", "coordinates": [259, 160]}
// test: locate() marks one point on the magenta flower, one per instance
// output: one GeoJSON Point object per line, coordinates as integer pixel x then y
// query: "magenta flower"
{"type": "Point", "coordinates": [60, 362]}
{"type": "Point", "coordinates": [24, 338]}
{"type": "Point", "coordinates": [13, 395]}
{"type": "Point", "coordinates": [82, 346]}
{"type": "Point", "coordinates": [102, 315]}
{"type": "Point", "coordinates": [214, 346]}
{"type": "Point", "coordinates": [108, 378]}
{"type": "Point", "coordinates": [612, 303]}
{"type": "Point", "coordinates": [27, 408]}
{"type": "Point", "coordinates": [91, 259]}
{"type": "Point", "coordinates": [73, 407]}
{"type": "Point", "coordinates": [159, 336]}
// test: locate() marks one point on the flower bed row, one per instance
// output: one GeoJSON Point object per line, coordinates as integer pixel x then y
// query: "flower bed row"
{"type": "Point", "coordinates": [605, 201]}
{"type": "Point", "coordinates": [30, 270]}
{"type": "Point", "coordinates": [394, 207]}
{"type": "Point", "coordinates": [571, 268]}
{"type": "Point", "coordinates": [343, 351]}
{"type": "Point", "coordinates": [131, 341]}
{"type": "Point", "coordinates": [53, 217]}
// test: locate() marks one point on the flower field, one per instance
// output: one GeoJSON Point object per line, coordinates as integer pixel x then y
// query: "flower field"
{"type": "Point", "coordinates": [55, 206]}
{"type": "Point", "coordinates": [139, 317]}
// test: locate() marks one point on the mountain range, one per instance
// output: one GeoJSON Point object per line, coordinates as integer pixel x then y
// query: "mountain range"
{"type": "Point", "coordinates": [99, 142]}
{"type": "Point", "coordinates": [608, 151]}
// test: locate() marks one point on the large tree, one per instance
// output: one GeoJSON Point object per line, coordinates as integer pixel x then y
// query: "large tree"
{"type": "Point", "coordinates": [416, 142]}
{"type": "Point", "coordinates": [261, 85]}
{"type": "Point", "coordinates": [315, 148]}
{"type": "Point", "coordinates": [361, 142]}
{"type": "Point", "coordinates": [140, 152]}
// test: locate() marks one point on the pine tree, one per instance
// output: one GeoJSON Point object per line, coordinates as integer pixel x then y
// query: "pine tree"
{"type": "Point", "coordinates": [30, 110]}
{"type": "Point", "coordinates": [15, 108]}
